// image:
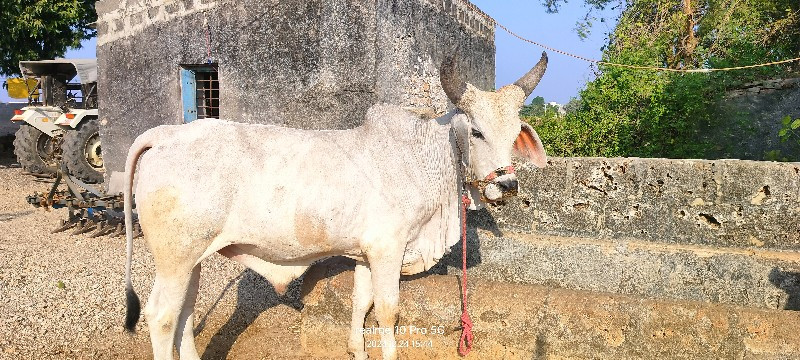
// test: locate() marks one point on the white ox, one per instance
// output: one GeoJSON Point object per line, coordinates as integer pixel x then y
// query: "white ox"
{"type": "Point", "coordinates": [386, 194]}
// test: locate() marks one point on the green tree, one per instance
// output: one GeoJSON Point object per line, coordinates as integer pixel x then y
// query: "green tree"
{"type": "Point", "coordinates": [43, 29]}
{"type": "Point", "coordinates": [573, 105]}
{"type": "Point", "coordinates": [535, 108]}
{"type": "Point", "coordinates": [626, 112]}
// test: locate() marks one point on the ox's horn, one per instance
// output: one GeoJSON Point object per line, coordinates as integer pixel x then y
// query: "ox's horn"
{"type": "Point", "coordinates": [529, 81]}
{"type": "Point", "coordinates": [452, 83]}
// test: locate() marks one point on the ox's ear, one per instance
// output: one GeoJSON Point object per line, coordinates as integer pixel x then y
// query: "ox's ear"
{"type": "Point", "coordinates": [529, 147]}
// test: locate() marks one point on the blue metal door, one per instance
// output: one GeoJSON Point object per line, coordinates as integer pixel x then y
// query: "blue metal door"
{"type": "Point", "coordinates": [189, 95]}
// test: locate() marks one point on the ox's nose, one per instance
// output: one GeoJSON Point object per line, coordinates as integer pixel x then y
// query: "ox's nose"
{"type": "Point", "coordinates": [509, 185]}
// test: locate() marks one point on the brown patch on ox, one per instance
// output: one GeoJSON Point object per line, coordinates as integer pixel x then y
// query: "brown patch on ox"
{"type": "Point", "coordinates": [163, 217]}
{"type": "Point", "coordinates": [157, 213]}
{"type": "Point", "coordinates": [311, 232]}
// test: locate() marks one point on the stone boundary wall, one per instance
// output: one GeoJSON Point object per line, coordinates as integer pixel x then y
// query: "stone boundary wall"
{"type": "Point", "coordinates": [722, 231]}
{"type": "Point", "coordinates": [750, 120]}
{"type": "Point", "coordinates": [728, 203]}
{"type": "Point", "coordinates": [764, 87]}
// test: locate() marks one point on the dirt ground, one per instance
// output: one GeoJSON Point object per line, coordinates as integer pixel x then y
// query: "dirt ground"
{"type": "Point", "coordinates": [62, 295]}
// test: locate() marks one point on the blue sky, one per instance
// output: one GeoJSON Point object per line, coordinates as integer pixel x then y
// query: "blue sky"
{"type": "Point", "coordinates": [565, 76]}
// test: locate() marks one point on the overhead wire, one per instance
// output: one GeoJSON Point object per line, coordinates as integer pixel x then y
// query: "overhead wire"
{"type": "Point", "coordinates": [608, 63]}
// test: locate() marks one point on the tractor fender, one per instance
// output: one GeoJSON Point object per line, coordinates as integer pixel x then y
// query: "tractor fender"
{"type": "Point", "coordinates": [41, 117]}
{"type": "Point", "coordinates": [77, 115]}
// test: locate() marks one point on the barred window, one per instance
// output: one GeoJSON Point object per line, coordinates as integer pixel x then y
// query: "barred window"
{"type": "Point", "coordinates": [200, 91]}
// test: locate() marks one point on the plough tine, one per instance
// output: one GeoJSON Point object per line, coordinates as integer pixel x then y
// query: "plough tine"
{"type": "Point", "coordinates": [110, 230]}
{"type": "Point", "coordinates": [119, 230]}
{"type": "Point", "coordinates": [87, 226]}
{"type": "Point", "coordinates": [79, 226]}
{"type": "Point", "coordinates": [102, 229]}
{"type": "Point", "coordinates": [137, 231]}
{"type": "Point", "coordinates": [65, 225]}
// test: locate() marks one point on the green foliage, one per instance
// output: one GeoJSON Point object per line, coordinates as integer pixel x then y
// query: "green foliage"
{"type": "Point", "coordinates": [537, 102]}
{"type": "Point", "coordinates": [775, 155]}
{"type": "Point", "coordinates": [43, 29]}
{"type": "Point", "coordinates": [538, 108]}
{"type": "Point", "coordinates": [787, 131]}
{"type": "Point", "coordinates": [626, 112]}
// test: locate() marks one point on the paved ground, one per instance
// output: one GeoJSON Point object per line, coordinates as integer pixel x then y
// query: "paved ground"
{"type": "Point", "coordinates": [62, 295]}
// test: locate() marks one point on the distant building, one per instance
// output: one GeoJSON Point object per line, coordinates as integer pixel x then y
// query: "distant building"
{"type": "Point", "coordinates": [559, 108]}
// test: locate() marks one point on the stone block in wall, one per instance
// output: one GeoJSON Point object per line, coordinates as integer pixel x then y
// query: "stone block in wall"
{"type": "Point", "coordinates": [753, 278]}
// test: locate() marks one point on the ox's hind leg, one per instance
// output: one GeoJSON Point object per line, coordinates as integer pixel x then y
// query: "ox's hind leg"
{"type": "Point", "coordinates": [184, 337]}
{"type": "Point", "coordinates": [362, 301]}
{"type": "Point", "coordinates": [164, 310]}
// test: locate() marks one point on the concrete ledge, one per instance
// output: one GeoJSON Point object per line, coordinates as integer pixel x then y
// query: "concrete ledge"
{"type": "Point", "coordinates": [746, 277]}
{"type": "Point", "coordinates": [729, 203]}
{"type": "Point", "coordinates": [515, 321]}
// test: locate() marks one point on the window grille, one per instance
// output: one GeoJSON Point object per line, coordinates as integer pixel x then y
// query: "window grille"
{"type": "Point", "coordinates": [200, 92]}
{"type": "Point", "coordinates": [207, 94]}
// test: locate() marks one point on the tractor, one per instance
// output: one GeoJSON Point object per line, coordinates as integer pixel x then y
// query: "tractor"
{"type": "Point", "coordinates": [59, 128]}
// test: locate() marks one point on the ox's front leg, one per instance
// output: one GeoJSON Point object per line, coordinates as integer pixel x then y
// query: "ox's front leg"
{"type": "Point", "coordinates": [362, 301]}
{"type": "Point", "coordinates": [385, 268]}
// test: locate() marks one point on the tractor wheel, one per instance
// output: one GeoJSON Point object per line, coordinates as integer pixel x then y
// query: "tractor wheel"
{"type": "Point", "coordinates": [35, 151]}
{"type": "Point", "coordinates": [82, 152]}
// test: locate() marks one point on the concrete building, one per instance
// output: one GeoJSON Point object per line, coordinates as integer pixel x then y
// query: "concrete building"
{"type": "Point", "coordinates": [315, 64]}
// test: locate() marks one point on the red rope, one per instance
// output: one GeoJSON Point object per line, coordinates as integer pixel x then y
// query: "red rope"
{"type": "Point", "coordinates": [465, 343]}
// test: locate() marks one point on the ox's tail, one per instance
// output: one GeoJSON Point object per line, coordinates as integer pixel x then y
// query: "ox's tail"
{"type": "Point", "coordinates": [140, 145]}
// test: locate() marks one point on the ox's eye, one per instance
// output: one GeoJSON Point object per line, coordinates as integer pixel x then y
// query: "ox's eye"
{"type": "Point", "coordinates": [476, 133]}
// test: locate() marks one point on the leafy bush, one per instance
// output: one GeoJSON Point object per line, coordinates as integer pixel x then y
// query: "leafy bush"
{"type": "Point", "coordinates": [645, 113]}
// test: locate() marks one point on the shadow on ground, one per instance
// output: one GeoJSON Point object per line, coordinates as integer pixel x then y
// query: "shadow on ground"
{"type": "Point", "coordinates": [254, 296]}
{"type": "Point", "coordinates": [7, 160]}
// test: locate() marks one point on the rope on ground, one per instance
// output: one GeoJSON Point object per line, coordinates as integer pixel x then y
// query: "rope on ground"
{"type": "Point", "coordinates": [600, 62]}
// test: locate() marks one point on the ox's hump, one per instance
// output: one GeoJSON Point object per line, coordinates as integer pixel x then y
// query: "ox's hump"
{"type": "Point", "coordinates": [390, 118]}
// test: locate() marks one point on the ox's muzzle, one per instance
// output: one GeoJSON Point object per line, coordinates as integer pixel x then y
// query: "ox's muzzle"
{"type": "Point", "coordinates": [498, 185]}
